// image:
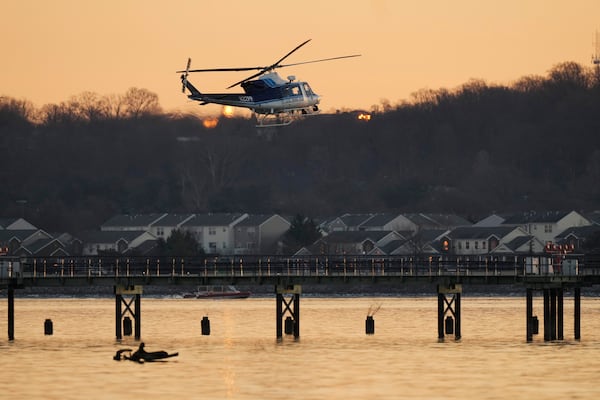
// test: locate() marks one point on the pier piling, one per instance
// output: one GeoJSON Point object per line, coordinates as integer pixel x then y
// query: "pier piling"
{"type": "Point", "coordinates": [11, 313]}
{"type": "Point", "coordinates": [553, 312]}
{"type": "Point", "coordinates": [205, 326]}
{"type": "Point", "coordinates": [449, 305]}
{"type": "Point", "coordinates": [370, 325]}
{"type": "Point", "coordinates": [120, 313]}
{"type": "Point", "coordinates": [290, 305]}
{"type": "Point", "coordinates": [48, 327]}
{"type": "Point", "coordinates": [577, 313]}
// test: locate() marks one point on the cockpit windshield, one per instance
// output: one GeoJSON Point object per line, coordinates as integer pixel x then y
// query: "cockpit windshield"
{"type": "Point", "coordinates": [307, 90]}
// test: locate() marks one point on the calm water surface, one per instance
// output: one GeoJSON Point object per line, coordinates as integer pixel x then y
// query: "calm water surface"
{"type": "Point", "coordinates": [333, 359]}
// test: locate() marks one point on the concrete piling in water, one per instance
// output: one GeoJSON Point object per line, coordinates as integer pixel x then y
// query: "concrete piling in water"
{"type": "Point", "coordinates": [535, 325]}
{"type": "Point", "coordinates": [205, 326]}
{"type": "Point", "coordinates": [449, 325]}
{"type": "Point", "coordinates": [370, 325]}
{"type": "Point", "coordinates": [288, 326]}
{"type": "Point", "coordinates": [127, 326]}
{"type": "Point", "coordinates": [48, 327]}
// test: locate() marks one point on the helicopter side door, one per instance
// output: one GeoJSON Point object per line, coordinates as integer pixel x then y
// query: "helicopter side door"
{"type": "Point", "coordinates": [293, 95]}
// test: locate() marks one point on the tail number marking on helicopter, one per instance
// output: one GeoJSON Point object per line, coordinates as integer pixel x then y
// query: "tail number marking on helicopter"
{"type": "Point", "coordinates": [246, 99]}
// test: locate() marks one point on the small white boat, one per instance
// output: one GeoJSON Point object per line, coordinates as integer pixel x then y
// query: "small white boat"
{"type": "Point", "coordinates": [217, 292]}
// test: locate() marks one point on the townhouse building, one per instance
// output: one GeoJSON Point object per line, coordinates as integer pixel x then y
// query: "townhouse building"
{"type": "Point", "coordinates": [259, 234]}
{"type": "Point", "coordinates": [215, 232]}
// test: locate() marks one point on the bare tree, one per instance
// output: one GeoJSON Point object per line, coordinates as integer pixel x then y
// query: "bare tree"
{"type": "Point", "coordinates": [139, 102]}
{"type": "Point", "coordinates": [89, 106]}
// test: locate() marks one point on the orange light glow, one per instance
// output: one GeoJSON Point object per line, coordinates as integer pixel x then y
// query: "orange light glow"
{"type": "Point", "coordinates": [228, 111]}
{"type": "Point", "coordinates": [364, 117]}
{"type": "Point", "coordinates": [210, 123]}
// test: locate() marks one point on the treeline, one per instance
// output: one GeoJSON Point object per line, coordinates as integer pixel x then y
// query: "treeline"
{"type": "Point", "coordinates": [472, 150]}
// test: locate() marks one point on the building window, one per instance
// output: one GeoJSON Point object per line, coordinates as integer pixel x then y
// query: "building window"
{"type": "Point", "coordinates": [548, 228]}
{"type": "Point", "coordinates": [494, 243]}
{"type": "Point", "coordinates": [212, 230]}
{"type": "Point", "coordinates": [160, 231]}
{"type": "Point", "coordinates": [460, 245]}
{"type": "Point", "coordinates": [467, 244]}
{"type": "Point", "coordinates": [212, 246]}
{"type": "Point", "coordinates": [476, 244]}
{"type": "Point", "coordinates": [483, 244]}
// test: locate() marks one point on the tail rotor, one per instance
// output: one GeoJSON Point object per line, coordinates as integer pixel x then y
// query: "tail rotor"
{"type": "Point", "coordinates": [185, 75]}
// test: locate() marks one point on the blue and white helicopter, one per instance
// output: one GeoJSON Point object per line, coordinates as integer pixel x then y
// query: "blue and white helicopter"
{"type": "Point", "coordinates": [273, 100]}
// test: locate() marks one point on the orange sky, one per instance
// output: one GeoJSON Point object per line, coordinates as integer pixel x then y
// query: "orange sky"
{"type": "Point", "coordinates": [52, 50]}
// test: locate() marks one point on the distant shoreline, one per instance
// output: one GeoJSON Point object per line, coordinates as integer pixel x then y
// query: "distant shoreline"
{"type": "Point", "coordinates": [310, 291]}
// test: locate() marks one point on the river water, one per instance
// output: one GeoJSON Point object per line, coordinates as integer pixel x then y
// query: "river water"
{"type": "Point", "coordinates": [333, 359]}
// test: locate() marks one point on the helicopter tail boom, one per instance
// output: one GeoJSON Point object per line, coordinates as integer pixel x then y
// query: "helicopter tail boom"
{"type": "Point", "coordinates": [194, 93]}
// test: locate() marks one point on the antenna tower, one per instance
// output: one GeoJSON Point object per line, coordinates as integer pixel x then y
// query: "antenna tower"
{"type": "Point", "coordinates": [596, 55]}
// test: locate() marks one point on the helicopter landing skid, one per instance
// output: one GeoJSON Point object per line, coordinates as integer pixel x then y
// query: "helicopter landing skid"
{"type": "Point", "coordinates": [272, 120]}
{"type": "Point", "coordinates": [283, 118]}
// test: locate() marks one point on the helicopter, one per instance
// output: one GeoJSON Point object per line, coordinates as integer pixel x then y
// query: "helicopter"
{"type": "Point", "coordinates": [273, 100]}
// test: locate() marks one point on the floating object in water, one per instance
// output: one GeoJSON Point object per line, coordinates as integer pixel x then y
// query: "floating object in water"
{"type": "Point", "coordinates": [141, 355]}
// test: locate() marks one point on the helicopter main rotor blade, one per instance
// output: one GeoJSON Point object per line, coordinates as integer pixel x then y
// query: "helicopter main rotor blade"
{"type": "Point", "coordinates": [275, 65]}
{"type": "Point", "coordinates": [316, 61]}
{"type": "Point", "coordinates": [262, 69]}
{"type": "Point", "coordinates": [270, 67]}
{"type": "Point", "coordinates": [223, 69]}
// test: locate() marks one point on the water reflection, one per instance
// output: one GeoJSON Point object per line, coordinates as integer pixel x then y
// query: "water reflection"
{"type": "Point", "coordinates": [333, 359]}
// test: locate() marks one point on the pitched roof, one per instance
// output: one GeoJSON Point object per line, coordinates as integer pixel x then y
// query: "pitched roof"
{"type": "Point", "coordinates": [518, 242]}
{"type": "Point", "coordinates": [133, 220]}
{"type": "Point", "coordinates": [393, 245]}
{"type": "Point", "coordinates": [471, 232]}
{"type": "Point", "coordinates": [173, 219]}
{"type": "Point", "coordinates": [437, 220]}
{"type": "Point", "coordinates": [379, 219]}
{"type": "Point", "coordinates": [37, 246]}
{"type": "Point", "coordinates": [255, 219]}
{"type": "Point", "coordinates": [217, 219]}
{"type": "Point", "coordinates": [144, 248]}
{"type": "Point", "coordinates": [19, 234]}
{"type": "Point", "coordinates": [536, 217]}
{"type": "Point", "coordinates": [447, 220]}
{"type": "Point", "coordinates": [109, 236]}
{"type": "Point", "coordinates": [579, 231]}
{"type": "Point", "coordinates": [429, 235]}
{"type": "Point", "coordinates": [354, 236]}
{"type": "Point", "coordinates": [491, 220]}
{"type": "Point", "coordinates": [355, 219]}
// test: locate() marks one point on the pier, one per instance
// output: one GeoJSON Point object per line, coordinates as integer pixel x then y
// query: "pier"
{"type": "Point", "coordinates": [128, 276]}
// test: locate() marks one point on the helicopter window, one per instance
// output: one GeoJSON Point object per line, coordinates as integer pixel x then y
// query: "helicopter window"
{"type": "Point", "coordinates": [307, 89]}
{"type": "Point", "coordinates": [295, 90]}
